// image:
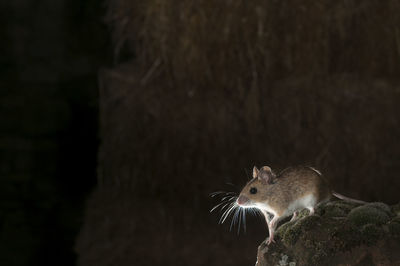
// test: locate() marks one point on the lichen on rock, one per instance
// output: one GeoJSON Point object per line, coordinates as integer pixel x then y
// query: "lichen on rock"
{"type": "Point", "coordinates": [284, 261]}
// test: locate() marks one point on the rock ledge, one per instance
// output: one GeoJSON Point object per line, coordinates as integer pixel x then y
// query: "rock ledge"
{"type": "Point", "coordinates": [339, 233]}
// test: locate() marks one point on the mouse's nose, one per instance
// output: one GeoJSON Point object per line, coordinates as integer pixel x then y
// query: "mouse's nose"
{"type": "Point", "coordinates": [242, 200]}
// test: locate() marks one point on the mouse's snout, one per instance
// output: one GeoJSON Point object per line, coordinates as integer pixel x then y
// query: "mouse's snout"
{"type": "Point", "coordinates": [242, 200]}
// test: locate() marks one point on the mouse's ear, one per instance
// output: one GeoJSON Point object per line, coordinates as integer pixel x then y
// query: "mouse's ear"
{"type": "Point", "coordinates": [266, 175]}
{"type": "Point", "coordinates": [255, 172]}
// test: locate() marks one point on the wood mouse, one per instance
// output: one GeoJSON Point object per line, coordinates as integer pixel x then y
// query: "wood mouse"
{"type": "Point", "coordinates": [282, 195]}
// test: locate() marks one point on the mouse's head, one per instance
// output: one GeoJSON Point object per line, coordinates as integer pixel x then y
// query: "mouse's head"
{"type": "Point", "coordinates": [254, 191]}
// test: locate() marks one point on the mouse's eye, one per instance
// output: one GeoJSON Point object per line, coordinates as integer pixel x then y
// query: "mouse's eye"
{"type": "Point", "coordinates": [253, 190]}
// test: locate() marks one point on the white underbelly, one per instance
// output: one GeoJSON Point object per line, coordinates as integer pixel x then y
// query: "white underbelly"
{"type": "Point", "coordinates": [308, 201]}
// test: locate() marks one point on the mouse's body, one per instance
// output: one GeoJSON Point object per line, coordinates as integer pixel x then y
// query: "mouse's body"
{"type": "Point", "coordinates": [282, 195]}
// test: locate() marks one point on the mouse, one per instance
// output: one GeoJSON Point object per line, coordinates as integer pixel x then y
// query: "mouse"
{"type": "Point", "coordinates": [284, 194]}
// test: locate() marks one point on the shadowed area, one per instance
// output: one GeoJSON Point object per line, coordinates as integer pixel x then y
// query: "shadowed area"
{"type": "Point", "coordinates": [48, 126]}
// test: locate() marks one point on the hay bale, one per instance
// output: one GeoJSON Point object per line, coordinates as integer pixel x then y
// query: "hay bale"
{"type": "Point", "coordinates": [158, 138]}
{"type": "Point", "coordinates": [235, 45]}
{"type": "Point", "coordinates": [309, 80]}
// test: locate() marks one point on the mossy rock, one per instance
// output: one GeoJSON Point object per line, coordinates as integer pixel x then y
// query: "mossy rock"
{"type": "Point", "coordinates": [285, 261]}
{"type": "Point", "coordinates": [308, 222]}
{"type": "Point", "coordinates": [290, 236]}
{"type": "Point", "coordinates": [335, 211]}
{"type": "Point", "coordinates": [396, 219]}
{"type": "Point", "coordinates": [303, 213]}
{"type": "Point", "coordinates": [339, 207]}
{"type": "Point", "coordinates": [320, 253]}
{"type": "Point", "coordinates": [371, 233]}
{"type": "Point", "coordinates": [344, 203]}
{"type": "Point", "coordinates": [326, 239]}
{"type": "Point", "coordinates": [381, 206]}
{"type": "Point", "coordinates": [291, 233]}
{"type": "Point", "coordinates": [396, 209]}
{"type": "Point", "coordinates": [394, 226]}
{"type": "Point", "coordinates": [366, 214]}
{"type": "Point", "coordinates": [282, 229]}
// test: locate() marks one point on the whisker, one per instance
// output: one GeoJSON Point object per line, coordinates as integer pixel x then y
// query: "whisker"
{"type": "Point", "coordinates": [230, 206]}
{"type": "Point", "coordinates": [228, 197]}
{"type": "Point", "coordinates": [244, 220]}
{"type": "Point", "coordinates": [227, 212]}
{"type": "Point", "coordinates": [233, 222]}
{"type": "Point", "coordinates": [226, 204]}
{"type": "Point", "coordinates": [240, 216]}
{"type": "Point", "coordinates": [257, 212]}
{"type": "Point", "coordinates": [224, 200]}
{"type": "Point", "coordinates": [213, 194]}
{"type": "Point", "coordinates": [219, 204]}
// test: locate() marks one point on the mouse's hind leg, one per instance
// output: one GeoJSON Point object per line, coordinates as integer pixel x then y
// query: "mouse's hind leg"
{"type": "Point", "coordinates": [311, 209]}
{"type": "Point", "coordinates": [293, 217]}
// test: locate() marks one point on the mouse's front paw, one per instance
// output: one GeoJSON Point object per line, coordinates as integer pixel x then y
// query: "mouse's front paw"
{"type": "Point", "coordinates": [270, 241]}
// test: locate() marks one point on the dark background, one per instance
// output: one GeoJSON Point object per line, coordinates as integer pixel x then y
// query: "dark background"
{"type": "Point", "coordinates": [119, 118]}
{"type": "Point", "coordinates": [50, 55]}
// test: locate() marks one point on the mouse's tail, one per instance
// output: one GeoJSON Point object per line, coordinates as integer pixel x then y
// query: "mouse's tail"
{"type": "Point", "coordinates": [340, 196]}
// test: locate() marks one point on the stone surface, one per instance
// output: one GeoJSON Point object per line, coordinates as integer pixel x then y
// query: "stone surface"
{"type": "Point", "coordinates": [340, 233]}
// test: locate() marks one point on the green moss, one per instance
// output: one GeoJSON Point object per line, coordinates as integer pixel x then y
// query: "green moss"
{"type": "Point", "coordinates": [308, 222]}
{"type": "Point", "coordinates": [396, 209]}
{"type": "Point", "coordinates": [292, 232]}
{"type": "Point", "coordinates": [344, 204]}
{"type": "Point", "coordinates": [320, 254]}
{"type": "Point", "coordinates": [367, 215]}
{"type": "Point", "coordinates": [334, 211]}
{"type": "Point", "coordinates": [396, 219]}
{"type": "Point", "coordinates": [380, 206]}
{"type": "Point", "coordinates": [394, 226]}
{"type": "Point", "coordinates": [371, 233]}
{"type": "Point", "coordinates": [341, 227]}
{"type": "Point", "coordinates": [290, 236]}
{"type": "Point", "coordinates": [338, 208]}
{"type": "Point", "coordinates": [303, 213]}
{"type": "Point", "coordinates": [282, 229]}
{"type": "Point", "coordinates": [336, 229]}
{"type": "Point", "coordinates": [342, 236]}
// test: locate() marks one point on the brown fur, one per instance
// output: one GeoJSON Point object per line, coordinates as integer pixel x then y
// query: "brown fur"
{"type": "Point", "coordinates": [289, 185]}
